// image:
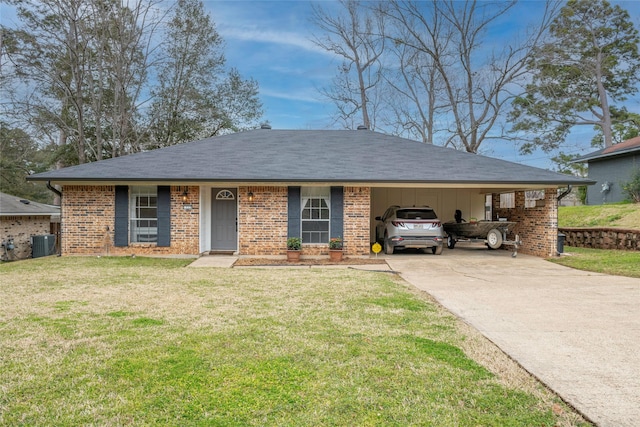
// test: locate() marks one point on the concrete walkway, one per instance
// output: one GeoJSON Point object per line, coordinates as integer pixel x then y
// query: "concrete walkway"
{"type": "Point", "coordinates": [578, 332]}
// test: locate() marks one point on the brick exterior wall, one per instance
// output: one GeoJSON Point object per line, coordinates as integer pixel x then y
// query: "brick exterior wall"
{"type": "Point", "coordinates": [537, 227]}
{"type": "Point", "coordinates": [88, 216]}
{"type": "Point", "coordinates": [357, 208]}
{"type": "Point", "coordinates": [262, 223]}
{"type": "Point", "coordinates": [20, 229]}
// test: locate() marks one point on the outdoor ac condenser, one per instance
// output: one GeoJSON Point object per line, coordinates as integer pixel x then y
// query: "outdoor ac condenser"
{"type": "Point", "coordinates": [44, 245]}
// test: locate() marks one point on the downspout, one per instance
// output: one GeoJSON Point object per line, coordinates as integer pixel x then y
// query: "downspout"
{"type": "Point", "coordinates": [565, 193]}
{"type": "Point", "coordinates": [561, 237]}
{"type": "Point", "coordinates": [55, 190]}
{"type": "Point", "coordinates": [59, 193]}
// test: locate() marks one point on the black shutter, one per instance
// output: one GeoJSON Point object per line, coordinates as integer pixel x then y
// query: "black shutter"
{"type": "Point", "coordinates": [164, 215]}
{"type": "Point", "coordinates": [121, 232]}
{"type": "Point", "coordinates": [337, 212]}
{"type": "Point", "coordinates": [294, 212]}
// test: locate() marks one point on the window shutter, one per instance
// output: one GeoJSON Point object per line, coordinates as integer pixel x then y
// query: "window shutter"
{"type": "Point", "coordinates": [164, 215]}
{"type": "Point", "coordinates": [337, 212]}
{"type": "Point", "coordinates": [121, 225]}
{"type": "Point", "coordinates": [294, 212]}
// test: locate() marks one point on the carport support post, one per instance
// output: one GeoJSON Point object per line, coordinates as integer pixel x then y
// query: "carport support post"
{"type": "Point", "coordinates": [537, 226]}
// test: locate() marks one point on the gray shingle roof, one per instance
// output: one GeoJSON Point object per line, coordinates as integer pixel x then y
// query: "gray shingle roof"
{"type": "Point", "coordinates": [16, 206]}
{"type": "Point", "coordinates": [346, 156]}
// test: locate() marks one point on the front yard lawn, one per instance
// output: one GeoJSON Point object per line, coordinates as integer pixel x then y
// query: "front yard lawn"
{"type": "Point", "coordinates": [621, 263]}
{"type": "Point", "coordinates": [122, 341]}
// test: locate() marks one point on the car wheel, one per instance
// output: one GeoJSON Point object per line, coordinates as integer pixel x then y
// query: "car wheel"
{"type": "Point", "coordinates": [451, 241]}
{"type": "Point", "coordinates": [437, 250]}
{"type": "Point", "coordinates": [494, 238]}
{"type": "Point", "coordinates": [388, 247]}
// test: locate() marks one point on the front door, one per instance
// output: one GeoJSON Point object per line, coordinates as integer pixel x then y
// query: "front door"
{"type": "Point", "coordinates": [224, 219]}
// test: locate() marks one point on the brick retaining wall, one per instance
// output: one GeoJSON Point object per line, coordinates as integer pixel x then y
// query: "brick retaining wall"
{"type": "Point", "coordinates": [602, 238]}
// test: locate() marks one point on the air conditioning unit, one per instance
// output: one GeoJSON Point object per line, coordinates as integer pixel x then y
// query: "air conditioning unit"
{"type": "Point", "coordinates": [44, 245]}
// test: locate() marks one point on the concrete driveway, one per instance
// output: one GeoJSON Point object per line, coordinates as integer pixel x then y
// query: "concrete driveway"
{"type": "Point", "coordinates": [578, 332]}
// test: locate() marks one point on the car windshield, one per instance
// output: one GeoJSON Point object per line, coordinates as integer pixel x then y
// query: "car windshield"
{"type": "Point", "coordinates": [416, 214]}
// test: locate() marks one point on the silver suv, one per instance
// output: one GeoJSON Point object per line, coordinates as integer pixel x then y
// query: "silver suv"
{"type": "Point", "coordinates": [410, 227]}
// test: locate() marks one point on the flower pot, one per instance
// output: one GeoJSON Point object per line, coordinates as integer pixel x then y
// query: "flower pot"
{"type": "Point", "coordinates": [293, 256]}
{"type": "Point", "coordinates": [335, 254]}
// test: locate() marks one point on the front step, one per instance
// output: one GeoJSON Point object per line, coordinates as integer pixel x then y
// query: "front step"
{"type": "Point", "coordinates": [221, 252]}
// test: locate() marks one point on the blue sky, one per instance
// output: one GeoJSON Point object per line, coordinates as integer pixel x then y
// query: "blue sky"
{"type": "Point", "coordinates": [271, 42]}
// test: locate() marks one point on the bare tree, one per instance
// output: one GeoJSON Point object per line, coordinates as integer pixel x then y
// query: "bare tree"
{"type": "Point", "coordinates": [357, 36]}
{"type": "Point", "coordinates": [415, 88]}
{"type": "Point", "coordinates": [476, 85]}
{"type": "Point", "coordinates": [82, 66]}
{"type": "Point", "coordinates": [130, 38]}
{"type": "Point", "coordinates": [51, 58]}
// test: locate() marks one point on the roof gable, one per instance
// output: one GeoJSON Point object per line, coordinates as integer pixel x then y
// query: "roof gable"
{"type": "Point", "coordinates": [347, 156]}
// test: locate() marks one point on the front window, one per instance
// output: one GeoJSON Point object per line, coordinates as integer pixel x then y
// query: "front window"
{"type": "Point", "coordinates": [507, 200]}
{"type": "Point", "coordinates": [144, 214]}
{"type": "Point", "coordinates": [315, 215]}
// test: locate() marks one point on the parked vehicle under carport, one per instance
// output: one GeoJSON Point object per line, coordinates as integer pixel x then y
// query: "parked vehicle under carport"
{"type": "Point", "coordinates": [410, 227]}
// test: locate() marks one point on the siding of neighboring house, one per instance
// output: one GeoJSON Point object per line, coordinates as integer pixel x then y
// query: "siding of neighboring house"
{"type": "Point", "coordinates": [537, 226]}
{"type": "Point", "coordinates": [616, 171]}
{"type": "Point", "coordinates": [21, 228]}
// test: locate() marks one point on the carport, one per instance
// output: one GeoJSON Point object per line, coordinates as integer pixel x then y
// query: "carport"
{"type": "Point", "coordinates": [533, 207]}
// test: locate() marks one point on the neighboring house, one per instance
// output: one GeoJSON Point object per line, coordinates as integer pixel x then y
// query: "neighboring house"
{"type": "Point", "coordinates": [611, 167]}
{"type": "Point", "coordinates": [245, 193]}
{"type": "Point", "coordinates": [22, 219]}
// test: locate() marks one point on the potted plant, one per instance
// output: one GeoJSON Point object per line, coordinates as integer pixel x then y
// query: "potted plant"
{"type": "Point", "coordinates": [335, 249]}
{"type": "Point", "coordinates": [294, 244]}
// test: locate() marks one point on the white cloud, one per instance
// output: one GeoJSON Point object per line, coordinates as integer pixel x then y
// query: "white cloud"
{"type": "Point", "coordinates": [299, 96]}
{"type": "Point", "coordinates": [286, 38]}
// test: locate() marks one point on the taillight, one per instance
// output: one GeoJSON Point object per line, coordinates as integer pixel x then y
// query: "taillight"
{"type": "Point", "coordinates": [397, 223]}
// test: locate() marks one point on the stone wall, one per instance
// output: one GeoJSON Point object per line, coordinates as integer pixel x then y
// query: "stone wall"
{"type": "Point", "coordinates": [88, 216]}
{"type": "Point", "coordinates": [20, 229]}
{"type": "Point", "coordinates": [537, 227]}
{"type": "Point", "coordinates": [602, 238]}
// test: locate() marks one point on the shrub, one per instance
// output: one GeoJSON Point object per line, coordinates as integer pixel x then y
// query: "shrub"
{"type": "Point", "coordinates": [294, 243]}
{"type": "Point", "coordinates": [632, 188]}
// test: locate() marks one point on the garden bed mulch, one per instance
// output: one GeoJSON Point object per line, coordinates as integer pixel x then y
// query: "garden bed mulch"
{"type": "Point", "coordinates": [248, 262]}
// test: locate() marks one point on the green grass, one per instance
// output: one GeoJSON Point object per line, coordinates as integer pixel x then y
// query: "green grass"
{"type": "Point", "coordinates": [618, 215]}
{"type": "Point", "coordinates": [621, 263]}
{"type": "Point", "coordinates": [115, 341]}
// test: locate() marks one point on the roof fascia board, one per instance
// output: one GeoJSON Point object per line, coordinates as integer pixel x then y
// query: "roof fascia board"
{"type": "Point", "coordinates": [385, 184]}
